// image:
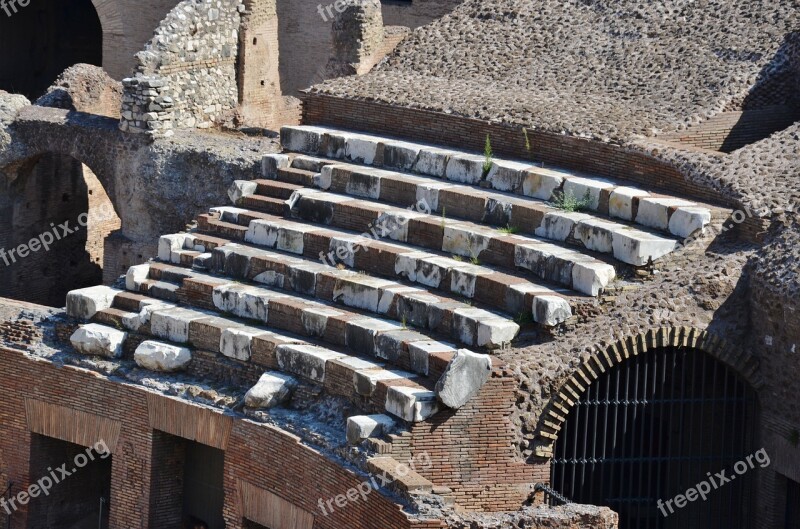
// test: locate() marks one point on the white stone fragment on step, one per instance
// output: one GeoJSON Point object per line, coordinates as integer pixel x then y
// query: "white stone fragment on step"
{"type": "Point", "coordinates": [363, 427]}
{"type": "Point", "coordinates": [240, 189]}
{"type": "Point", "coordinates": [581, 188]}
{"type": "Point", "coordinates": [411, 404]}
{"type": "Point", "coordinates": [161, 357]}
{"type": "Point", "coordinates": [590, 277]}
{"type": "Point", "coordinates": [688, 219]}
{"type": "Point", "coordinates": [558, 225]}
{"type": "Point", "coordinates": [637, 247]}
{"type": "Point", "coordinates": [169, 247]}
{"type": "Point", "coordinates": [550, 310]}
{"type": "Point", "coordinates": [98, 340]}
{"type": "Point", "coordinates": [463, 378]}
{"type": "Point", "coordinates": [271, 390]}
{"type": "Point", "coordinates": [135, 276]}
{"type": "Point", "coordinates": [306, 361]}
{"type": "Point", "coordinates": [84, 303]}
{"type": "Point", "coordinates": [173, 324]}
{"type": "Point", "coordinates": [654, 212]}
{"type": "Point", "coordinates": [236, 342]}
{"type": "Point", "coordinates": [541, 183]}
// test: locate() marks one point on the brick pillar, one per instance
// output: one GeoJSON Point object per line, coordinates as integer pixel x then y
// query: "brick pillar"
{"type": "Point", "coordinates": [258, 73]}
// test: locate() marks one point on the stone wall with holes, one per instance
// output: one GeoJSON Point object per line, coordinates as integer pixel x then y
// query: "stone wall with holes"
{"type": "Point", "coordinates": [186, 75]}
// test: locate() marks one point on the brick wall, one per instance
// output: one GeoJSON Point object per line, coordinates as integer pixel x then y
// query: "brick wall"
{"type": "Point", "coordinates": [730, 131]}
{"type": "Point", "coordinates": [259, 76]}
{"type": "Point", "coordinates": [472, 453]}
{"type": "Point", "coordinates": [777, 337]}
{"type": "Point", "coordinates": [563, 151]}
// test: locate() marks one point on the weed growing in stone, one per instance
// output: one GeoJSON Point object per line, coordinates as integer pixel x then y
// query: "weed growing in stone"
{"type": "Point", "coordinates": [568, 202]}
{"type": "Point", "coordinates": [488, 157]}
{"type": "Point", "coordinates": [509, 230]}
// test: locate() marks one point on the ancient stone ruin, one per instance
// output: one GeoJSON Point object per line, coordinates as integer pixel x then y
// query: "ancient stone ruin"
{"type": "Point", "coordinates": [387, 264]}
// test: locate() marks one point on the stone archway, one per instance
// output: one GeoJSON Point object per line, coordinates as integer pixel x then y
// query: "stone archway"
{"type": "Point", "coordinates": [651, 416]}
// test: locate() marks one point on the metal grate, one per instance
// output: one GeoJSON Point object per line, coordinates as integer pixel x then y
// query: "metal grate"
{"type": "Point", "coordinates": [651, 428]}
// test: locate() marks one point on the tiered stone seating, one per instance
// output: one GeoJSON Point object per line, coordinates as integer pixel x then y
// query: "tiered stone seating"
{"type": "Point", "coordinates": [362, 264]}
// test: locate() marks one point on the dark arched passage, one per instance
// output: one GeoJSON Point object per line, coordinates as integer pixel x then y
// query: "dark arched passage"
{"type": "Point", "coordinates": [41, 38]}
{"type": "Point", "coordinates": [653, 427]}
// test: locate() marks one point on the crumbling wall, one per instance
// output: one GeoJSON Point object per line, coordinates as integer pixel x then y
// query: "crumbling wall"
{"type": "Point", "coordinates": [186, 76]}
{"type": "Point", "coordinates": [357, 35]}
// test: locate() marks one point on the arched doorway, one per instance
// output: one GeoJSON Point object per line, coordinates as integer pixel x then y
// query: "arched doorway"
{"type": "Point", "coordinates": [42, 38]}
{"type": "Point", "coordinates": [654, 427]}
{"type": "Point", "coordinates": [54, 217]}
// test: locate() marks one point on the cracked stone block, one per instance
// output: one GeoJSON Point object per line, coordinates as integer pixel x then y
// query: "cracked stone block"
{"type": "Point", "coordinates": [240, 189]}
{"type": "Point", "coordinates": [363, 427]}
{"type": "Point", "coordinates": [637, 247]}
{"type": "Point", "coordinates": [262, 232]}
{"type": "Point", "coordinates": [655, 212]}
{"type": "Point", "coordinates": [463, 378]}
{"type": "Point", "coordinates": [228, 214]}
{"type": "Point", "coordinates": [84, 303]}
{"type": "Point", "coordinates": [161, 357]}
{"type": "Point", "coordinates": [541, 183]}
{"type": "Point", "coordinates": [270, 164]}
{"type": "Point", "coordinates": [244, 301]}
{"type": "Point", "coordinates": [465, 168]}
{"type": "Point", "coordinates": [432, 162]}
{"type": "Point", "coordinates": [686, 220]}
{"type": "Point", "coordinates": [135, 276]}
{"type": "Point", "coordinates": [411, 404]}
{"type": "Point", "coordinates": [306, 361]}
{"type": "Point", "coordinates": [620, 204]}
{"type": "Point", "coordinates": [582, 187]}
{"type": "Point", "coordinates": [597, 234]}
{"type": "Point", "coordinates": [558, 225]}
{"type": "Point", "coordinates": [506, 175]}
{"type": "Point", "coordinates": [98, 340]}
{"type": "Point", "coordinates": [362, 334]}
{"type": "Point", "coordinates": [364, 183]}
{"type": "Point", "coordinates": [428, 195]}
{"type": "Point", "coordinates": [420, 353]}
{"type": "Point", "coordinates": [464, 240]}
{"type": "Point", "coordinates": [551, 310]}
{"type": "Point", "coordinates": [173, 324]}
{"type": "Point", "coordinates": [236, 342]}
{"type": "Point", "coordinates": [590, 277]}
{"type": "Point", "coordinates": [169, 247]}
{"type": "Point", "coordinates": [272, 389]}
{"type": "Point", "coordinates": [315, 320]}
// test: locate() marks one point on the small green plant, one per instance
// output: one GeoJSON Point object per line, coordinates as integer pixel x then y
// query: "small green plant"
{"type": "Point", "coordinates": [488, 157]}
{"type": "Point", "coordinates": [457, 258]}
{"type": "Point", "coordinates": [524, 318]}
{"type": "Point", "coordinates": [405, 322]}
{"type": "Point", "coordinates": [475, 260]}
{"type": "Point", "coordinates": [527, 139]}
{"type": "Point", "coordinates": [509, 230]}
{"type": "Point", "coordinates": [566, 201]}
{"type": "Point", "coordinates": [444, 216]}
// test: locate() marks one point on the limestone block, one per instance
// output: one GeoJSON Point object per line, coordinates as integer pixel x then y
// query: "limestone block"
{"type": "Point", "coordinates": [161, 357]}
{"type": "Point", "coordinates": [551, 310]}
{"type": "Point", "coordinates": [620, 204]}
{"type": "Point", "coordinates": [400, 154]}
{"type": "Point", "coordinates": [590, 277]}
{"type": "Point", "coordinates": [361, 148]}
{"type": "Point", "coordinates": [306, 361]}
{"type": "Point", "coordinates": [495, 331]}
{"type": "Point", "coordinates": [134, 321]}
{"type": "Point", "coordinates": [236, 342]}
{"type": "Point", "coordinates": [406, 264]}
{"type": "Point", "coordinates": [272, 389]}
{"type": "Point", "coordinates": [507, 175]}
{"type": "Point", "coordinates": [170, 245]}
{"type": "Point", "coordinates": [240, 189]}
{"type": "Point", "coordinates": [366, 380]}
{"type": "Point", "coordinates": [84, 303]}
{"type": "Point", "coordinates": [364, 183]}
{"type": "Point", "coordinates": [244, 301]}
{"type": "Point", "coordinates": [546, 261]}
{"type": "Point", "coordinates": [394, 224]}
{"type": "Point", "coordinates": [262, 232]}
{"type": "Point", "coordinates": [359, 291]}
{"type": "Point", "coordinates": [135, 276]}
{"type": "Point", "coordinates": [228, 213]}
{"type": "Point", "coordinates": [315, 319]}
{"type": "Point", "coordinates": [461, 239]}
{"type": "Point", "coordinates": [303, 139]}
{"type": "Point", "coordinates": [541, 183]}
{"type": "Point", "coordinates": [98, 340]}
{"type": "Point", "coordinates": [465, 168]}
{"type": "Point", "coordinates": [324, 178]}
{"type": "Point", "coordinates": [345, 248]}
{"type": "Point", "coordinates": [432, 161]}
{"type": "Point", "coordinates": [363, 427]}
{"type": "Point", "coordinates": [362, 334]}
{"type": "Point", "coordinates": [173, 324]}
{"type": "Point", "coordinates": [464, 377]}
{"type": "Point", "coordinates": [270, 164]}
{"type": "Point", "coordinates": [687, 219]}
{"type": "Point", "coordinates": [597, 234]}
{"type": "Point", "coordinates": [420, 353]}
{"type": "Point", "coordinates": [464, 277]}
{"type": "Point", "coordinates": [558, 225]}
{"type": "Point", "coordinates": [579, 187]}
{"type": "Point", "coordinates": [655, 212]}
{"type": "Point", "coordinates": [411, 404]}
{"type": "Point", "coordinates": [637, 247]}
{"type": "Point", "coordinates": [428, 195]}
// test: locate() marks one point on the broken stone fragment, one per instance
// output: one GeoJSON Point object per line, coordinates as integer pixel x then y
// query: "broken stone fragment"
{"type": "Point", "coordinates": [550, 310]}
{"type": "Point", "coordinates": [161, 357]}
{"type": "Point", "coordinates": [411, 404]}
{"type": "Point", "coordinates": [463, 378]}
{"type": "Point", "coordinates": [240, 189]}
{"type": "Point", "coordinates": [363, 427]}
{"type": "Point", "coordinates": [87, 302]}
{"type": "Point", "coordinates": [271, 390]}
{"type": "Point", "coordinates": [98, 340]}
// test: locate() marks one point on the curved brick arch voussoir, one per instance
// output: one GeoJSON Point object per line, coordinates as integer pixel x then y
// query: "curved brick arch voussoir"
{"type": "Point", "coordinates": [606, 356]}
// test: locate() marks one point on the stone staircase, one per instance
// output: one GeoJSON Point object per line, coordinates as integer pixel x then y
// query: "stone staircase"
{"type": "Point", "coordinates": [365, 266]}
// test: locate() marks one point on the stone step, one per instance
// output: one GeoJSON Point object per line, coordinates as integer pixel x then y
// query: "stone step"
{"type": "Point", "coordinates": [476, 243]}
{"type": "Point", "coordinates": [510, 293]}
{"type": "Point", "coordinates": [511, 214]}
{"type": "Point", "coordinates": [607, 197]}
{"type": "Point", "coordinates": [175, 329]}
{"type": "Point", "coordinates": [415, 306]}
